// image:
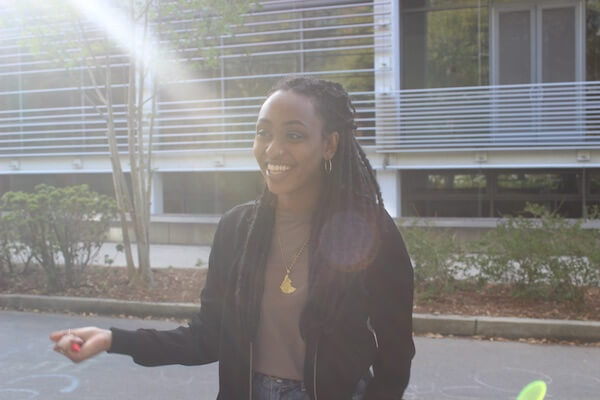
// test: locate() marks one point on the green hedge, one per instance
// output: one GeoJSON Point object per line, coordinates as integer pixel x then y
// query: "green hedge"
{"type": "Point", "coordinates": [61, 229]}
{"type": "Point", "coordinates": [546, 256]}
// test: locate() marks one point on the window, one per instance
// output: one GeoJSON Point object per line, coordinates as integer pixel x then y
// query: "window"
{"type": "Point", "coordinates": [210, 193]}
{"type": "Point", "coordinates": [495, 193]}
{"type": "Point", "coordinates": [444, 43]}
{"type": "Point", "coordinates": [592, 37]}
{"type": "Point", "coordinates": [536, 42]}
{"type": "Point", "coordinates": [445, 194]}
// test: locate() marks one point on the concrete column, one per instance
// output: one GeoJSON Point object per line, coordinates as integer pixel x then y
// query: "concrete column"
{"type": "Point", "coordinates": [389, 183]}
{"type": "Point", "coordinates": [157, 194]}
{"type": "Point", "coordinates": [387, 71]}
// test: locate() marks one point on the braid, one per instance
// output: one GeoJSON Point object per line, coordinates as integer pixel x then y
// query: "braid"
{"type": "Point", "coordinates": [344, 235]}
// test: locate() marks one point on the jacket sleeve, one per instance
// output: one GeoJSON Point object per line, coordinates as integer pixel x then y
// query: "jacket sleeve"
{"type": "Point", "coordinates": [195, 344]}
{"type": "Point", "coordinates": [390, 286]}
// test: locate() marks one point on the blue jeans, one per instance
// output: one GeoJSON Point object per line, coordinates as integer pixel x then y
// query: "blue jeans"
{"type": "Point", "coordinates": [265, 387]}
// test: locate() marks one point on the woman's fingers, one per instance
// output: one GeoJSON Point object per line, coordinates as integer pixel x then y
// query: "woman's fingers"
{"type": "Point", "coordinates": [95, 345]}
{"type": "Point", "coordinates": [83, 333]}
{"type": "Point", "coordinates": [55, 336]}
{"type": "Point", "coordinates": [81, 343]}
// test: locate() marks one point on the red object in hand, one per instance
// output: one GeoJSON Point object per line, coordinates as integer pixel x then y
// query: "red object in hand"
{"type": "Point", "coordinates": [75, 346]}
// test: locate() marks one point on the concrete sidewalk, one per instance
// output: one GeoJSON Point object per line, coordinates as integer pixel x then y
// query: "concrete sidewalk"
{"type": "Point", "coordinates": [161, 255]}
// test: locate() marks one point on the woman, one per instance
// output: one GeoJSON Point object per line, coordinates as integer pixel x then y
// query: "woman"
{"type": "Point", "coordinates": [309, 289]}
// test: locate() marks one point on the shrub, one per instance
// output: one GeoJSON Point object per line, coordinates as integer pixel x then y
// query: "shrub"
{"type": "Point", "coordinates": [436, 256]}
{"type": "Point", "coordinates": [29, 212]}
{"type": "Point", "coordinates": [59, 225]}
{"type": "Point", "coordinates": [15, 257]}
{"type": "Point", "coordinates": [548, 256]}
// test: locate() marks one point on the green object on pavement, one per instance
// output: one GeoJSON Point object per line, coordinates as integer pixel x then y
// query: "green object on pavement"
{"type": "Point", "coordinates": [536, 390]}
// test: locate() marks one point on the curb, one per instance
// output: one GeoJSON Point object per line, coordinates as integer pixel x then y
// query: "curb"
{"type": "Point", "coordinates": [510, 328]}
{"type": "Point", "coordinates": [98, 306]}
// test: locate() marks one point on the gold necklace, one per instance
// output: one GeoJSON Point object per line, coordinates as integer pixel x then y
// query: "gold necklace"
{"type": "Point", "coordinates": [286, 285]}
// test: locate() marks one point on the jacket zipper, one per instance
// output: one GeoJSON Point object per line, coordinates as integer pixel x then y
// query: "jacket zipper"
{"type": "Point", "coordinates": [250, 377]}
{"type": "Point", "coordinates": [315, 370]}
{"type": "Point", "coordinates": [370, 327]}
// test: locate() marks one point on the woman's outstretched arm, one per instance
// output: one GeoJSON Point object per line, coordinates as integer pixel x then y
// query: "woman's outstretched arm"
{"type": "Point", "coordinates": [196, 343]}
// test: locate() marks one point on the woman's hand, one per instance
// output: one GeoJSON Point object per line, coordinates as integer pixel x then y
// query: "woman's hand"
{"type": "Point", "coordinates": [81, 343]}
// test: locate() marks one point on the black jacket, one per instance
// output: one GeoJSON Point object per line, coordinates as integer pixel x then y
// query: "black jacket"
{"type": "Point", "coordinates": [373, 328]}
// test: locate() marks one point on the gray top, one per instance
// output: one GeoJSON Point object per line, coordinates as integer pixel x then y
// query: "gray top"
{"type": "Point", "coordinates": [279, 348]}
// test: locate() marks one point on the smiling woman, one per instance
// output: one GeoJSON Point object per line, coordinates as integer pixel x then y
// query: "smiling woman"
{"type": "Point", "coordinates": [309, 289]}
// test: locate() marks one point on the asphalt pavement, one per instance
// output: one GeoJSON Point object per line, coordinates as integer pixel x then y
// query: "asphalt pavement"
{"type": "Point", "coordinates": [444, 368]}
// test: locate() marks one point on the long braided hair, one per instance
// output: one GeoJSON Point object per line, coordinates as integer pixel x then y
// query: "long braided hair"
{"type": "Point", "coordinates": [343, 236]}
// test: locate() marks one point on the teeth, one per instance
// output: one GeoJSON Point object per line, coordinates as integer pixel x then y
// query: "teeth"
{"type": "Point", "coordinates": [277, 168]}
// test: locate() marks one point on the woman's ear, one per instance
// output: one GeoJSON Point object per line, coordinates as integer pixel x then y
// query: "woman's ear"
{"type": "Point", "coordinates": [331, 144]}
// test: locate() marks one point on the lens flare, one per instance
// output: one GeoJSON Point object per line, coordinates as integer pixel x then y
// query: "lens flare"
{"type": "Point", "coordinates": [535, 390]}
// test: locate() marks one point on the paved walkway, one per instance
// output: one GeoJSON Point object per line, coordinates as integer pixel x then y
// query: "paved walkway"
{"type": "Point", "coordinates": [161, 255]}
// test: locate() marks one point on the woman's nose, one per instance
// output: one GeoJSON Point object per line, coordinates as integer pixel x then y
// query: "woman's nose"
{"type": "Point", "coordinates": [274, 148]}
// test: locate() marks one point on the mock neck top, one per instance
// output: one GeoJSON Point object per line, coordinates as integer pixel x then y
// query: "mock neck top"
{"type": "Point", "coordinates": [279, 348]}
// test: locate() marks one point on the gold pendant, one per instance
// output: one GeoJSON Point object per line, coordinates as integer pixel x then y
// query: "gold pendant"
{"type": "Point", "coordinates": [286, 286]}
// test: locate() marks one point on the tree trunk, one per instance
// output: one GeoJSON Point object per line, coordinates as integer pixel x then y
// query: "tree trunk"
{"type": "Point", "coordinates": [118, 178]}
{"type": "Point", "coordinates": [135, 147]}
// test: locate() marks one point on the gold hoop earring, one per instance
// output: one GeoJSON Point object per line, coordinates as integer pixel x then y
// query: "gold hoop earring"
{"type": "Point", "coordinates": [328, 166]}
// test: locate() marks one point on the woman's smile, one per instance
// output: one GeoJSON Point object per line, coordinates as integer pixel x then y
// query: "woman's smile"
{"type": "Point", "coordinates": [277, 169]}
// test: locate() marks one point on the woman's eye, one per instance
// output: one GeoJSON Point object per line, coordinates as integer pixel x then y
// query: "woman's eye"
{"type": "Point", "coordinates": [295, 136]}
{"type": "Point", "coordinates": [261, 132]}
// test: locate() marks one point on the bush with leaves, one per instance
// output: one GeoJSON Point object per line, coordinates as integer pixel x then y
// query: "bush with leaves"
{"type": "Point", "coordinates": [436, 256]}
{"type": "Point", "coordinates": [60, 226]}
{"type": "Point", "coordinates": [15, 257]}
{"type": "Point", "coordinates": [80, 219]}
{"type": "Point", "coordinates": [544, 256]}
{"type": "Point", "coordinates": [30, 214]}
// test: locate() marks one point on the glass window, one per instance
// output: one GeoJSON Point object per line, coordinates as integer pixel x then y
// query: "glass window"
{"type": "Point", "coordinates": [445, 194]}
{"type": "Point", "coordinates": [595, 182]}
{"type": "Point", "coordinates": [444, 44]}
{"type": "Point", "coordinates": [494, 194]}
{"type": "Point", "coordinates": [558, 44]}
{"type": "Point", "coordinates": [340, 40]}
{"type": "Point", "coordinates": [592, 39]}
{"type": "Point", "coordinates": [437, 4]}
{"type": "Point", "coordinates": [514, 47]}
{"type": "Point", "coordinates": [563, 183]}
{"type": "Point", "coordinates": [456, 182]}
{"type": "Point", "coordinates": [262, 47]}
{"type": "Point", "coordinates": [209, 192]}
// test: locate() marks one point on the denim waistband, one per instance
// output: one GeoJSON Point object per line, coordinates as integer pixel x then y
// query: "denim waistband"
{"type": "Point", "coordinates": [273, 387]}
{"type": "Point", "coordinates": [277, 381]}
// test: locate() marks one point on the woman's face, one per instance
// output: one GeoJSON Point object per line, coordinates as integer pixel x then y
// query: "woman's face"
{"type": "Point", "coordinates": [290, 147]}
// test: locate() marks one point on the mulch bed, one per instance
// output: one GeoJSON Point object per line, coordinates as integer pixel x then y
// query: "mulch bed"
{"type": "Point", "coordinates": [184, 286]}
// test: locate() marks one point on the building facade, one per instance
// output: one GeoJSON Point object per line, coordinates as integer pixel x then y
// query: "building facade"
{"type": "Point", "coordinates": [466, 108]}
